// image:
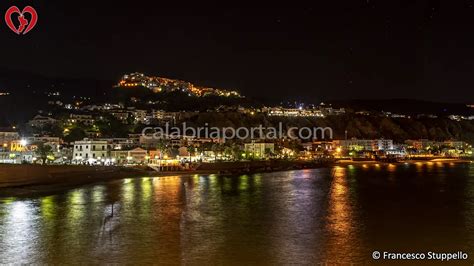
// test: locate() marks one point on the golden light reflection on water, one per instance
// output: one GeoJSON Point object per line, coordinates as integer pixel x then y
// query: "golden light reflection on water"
{"type": "Point", "coordinates": [76, 204]}
{"type": "Point", "coordinates": [48, 207]}
{"type": "Point", "coordinates": [147, 189]}
{"type": "Point", "coordinates": [98, 194]}
{"type": "Point", "coordinates": [279, 218]}
{"type": "Point", "coordinates": [340, 216]}
{"type": "Point", "coordinates": [257, 179]}
{"type": "Point", "coordinates": [8, 200]}
{"type": "Point", "coordinates": [128, 191]}
{"type": "Point", "coordinates": [244, 182]}
{"type": "Point", "coordinates": [391, 167]}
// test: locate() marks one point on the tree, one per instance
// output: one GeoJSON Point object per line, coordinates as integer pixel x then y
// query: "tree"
{"type": "Point", "coordinates": [268, 152]}
{"type": "Point", "coordinates": [190, 150]}
{"type": "Point", "coordinates": [112, 127]}
{"type": "Point", "coordinates": [162, 146]}
{"type": "Point", "coordinates": [75, 134]}
{"type": "Point", "coordinates": [43, 151]}
{"type": "Point", "coordinates": [216, 147]}
{"type": "Point", "coordinates": [236, 150]}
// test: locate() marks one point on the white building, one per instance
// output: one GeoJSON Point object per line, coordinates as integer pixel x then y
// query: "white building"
{"type": "Point", "coordinates": [41, 121]}
{"type": "Point", "coordinates": [139, 115]}
{"type": "Point", "coordinates": [259, 149]}
{"type": "Point", "coordinates": [81, 119]}
{"type": "Point", "coordinates": [91, 151]}
{"type": "Point", "coordinates": [364, 144]}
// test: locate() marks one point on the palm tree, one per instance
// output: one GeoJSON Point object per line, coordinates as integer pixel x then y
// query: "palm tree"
{"type": "Point", "coordinates": [190, 150]}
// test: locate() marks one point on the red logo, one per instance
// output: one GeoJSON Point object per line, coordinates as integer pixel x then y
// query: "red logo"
{"type": "Point", "coordinates": [24, 25]}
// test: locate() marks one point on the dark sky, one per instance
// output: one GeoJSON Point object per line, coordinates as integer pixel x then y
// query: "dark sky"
{"type": "Point", "coordinates": [326, 50]}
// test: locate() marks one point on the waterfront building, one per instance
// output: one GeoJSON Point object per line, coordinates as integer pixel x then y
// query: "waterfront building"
{"type": "Point", "coordinates": [133, 156]}
{"type": "Point", "coordinates": [91, 151]}
{"type": "Point", "coordinates": [44, 139]}
{"type": "Point", "coordinates": [120, 143]}
{"type": "Point", "coordinates": [458, 145]}
{"type": "Point", "coordinates": [422, 144]}
{"type": "Point", "coordinates": [6, 137]}
{"type": "Point", "coordinates": [18, 145]}
{"type": "Point", "coordinates": [323, 145]}
{"type": "Point", "coordinates": [259, 149]}
{"type": "Point", "coordinates": [16, 157]}
{"type": "Point", "coordinates": [364, 144]}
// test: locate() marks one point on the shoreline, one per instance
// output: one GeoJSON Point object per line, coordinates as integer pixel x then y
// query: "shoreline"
{"type": "Point", "coordinates": [30, 180]}
{"type": "Point", "coordinates": [438, 160]}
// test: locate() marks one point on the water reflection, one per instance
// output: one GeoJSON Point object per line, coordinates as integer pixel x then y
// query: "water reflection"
{"type": "Point", "coordinates": [19, 237]}
{"type": "Point", "coordinates": [333, 215]}
{"type": "Point", "coordinates": [341, 227]}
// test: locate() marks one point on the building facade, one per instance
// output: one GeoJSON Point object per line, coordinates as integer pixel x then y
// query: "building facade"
{"type": "Point", "coordinates": [6, 137]}
{"type": "Point", "coordinates": [259, 149]}
{"type": "Point", "coordinates": [91, 151]}
{"type": "Point", "coordinates": [364, 144]}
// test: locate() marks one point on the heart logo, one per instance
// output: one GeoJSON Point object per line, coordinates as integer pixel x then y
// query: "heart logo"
{"type": "Point", "coordinates": [24, 25]}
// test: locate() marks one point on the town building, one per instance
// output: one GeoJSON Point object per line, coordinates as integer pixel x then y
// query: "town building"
{"type": "Point", "coordinates": [133, 156]}
{"type": "Point", "coordinates": [459, 145]}
{"type": "Point", "coordinates": [120, 143]}
{"type": "Point", "coordinates": [422, 144]}
{"type": "Point", "coordinates": [18, 145]}
{"type": "Point", "coordinates": [139, 116]}
{"type": "Point", "coordinates": [83, 119]}
{"type": "Point", "coordinates": [40, 121]}
{"type": "Point", "coordinates": [120, 115]}
{"type": "Point", "coordinates": [90, 151]}
{"type": "Point", "coordinates": [259, 149]}
{"type": "Point", "coordinates": [7, 135]}
{"type": "Point", "coordinates": [364, 144]}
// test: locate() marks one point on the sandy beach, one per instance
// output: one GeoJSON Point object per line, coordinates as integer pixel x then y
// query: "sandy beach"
{"type": "Point", "coordinates": [25, 180]}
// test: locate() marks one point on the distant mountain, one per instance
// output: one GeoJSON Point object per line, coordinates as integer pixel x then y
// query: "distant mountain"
{"type": "Point", "coordinates": [22, 94]}
{"type": "Point", "coordinates": [29, 92]}
{"type": "Point", "coordinates": [406, 106]}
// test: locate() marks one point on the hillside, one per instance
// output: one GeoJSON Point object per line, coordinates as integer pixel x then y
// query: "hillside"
{"type": "Point", "coordinates": [358, 126]}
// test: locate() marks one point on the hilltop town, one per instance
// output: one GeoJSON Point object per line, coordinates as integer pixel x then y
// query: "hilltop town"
{"type": "Point", "coordinates": [84, 130]}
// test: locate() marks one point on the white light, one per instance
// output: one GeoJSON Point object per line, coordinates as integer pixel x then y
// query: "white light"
{"type": "Point", "coordinates": [23, 142]}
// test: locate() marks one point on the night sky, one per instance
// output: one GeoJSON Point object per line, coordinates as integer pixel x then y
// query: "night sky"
{"type": "Point", "coordinates": [328, 50]}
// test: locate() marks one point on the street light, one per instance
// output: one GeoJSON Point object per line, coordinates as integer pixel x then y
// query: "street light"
{"type": "Point", "coordinates": [23, 142]}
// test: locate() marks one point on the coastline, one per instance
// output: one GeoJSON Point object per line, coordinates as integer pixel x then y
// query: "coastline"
{"type": "Point", "coordinates": [445, 160]}
{"type": "Point", "coordinates": [30, 180]}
